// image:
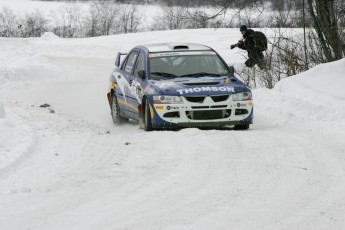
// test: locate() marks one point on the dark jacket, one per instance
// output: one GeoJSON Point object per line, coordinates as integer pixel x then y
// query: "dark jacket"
{"type": "Point", "coordinates": [249, 45]}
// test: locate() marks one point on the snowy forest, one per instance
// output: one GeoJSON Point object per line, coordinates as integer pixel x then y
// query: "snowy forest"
{"type": "Point", "coordinates": [321, 25]}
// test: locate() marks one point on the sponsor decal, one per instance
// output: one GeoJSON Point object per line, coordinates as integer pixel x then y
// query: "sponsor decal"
{"type": "Point", "coordinates": [206, 89]}
{"type": "Point", "coordinates": [148, 86]}
{"type": "Point", "coordinates": [127, 104]}
{"type": "Point", "coordinates": [122, 83]}
{"type": "Point", "coordinates": [172, 107]}
{"type": "Point", "coordinates": [149, 90]}
{"type": "Point", "coordinates": [241, 105]}
{"type": "Point", "coordinates": [136, 90]}
{"type": "Point", "coordinates": [164, 85]}
{"type": "Point", "coordinates": [152, 55]}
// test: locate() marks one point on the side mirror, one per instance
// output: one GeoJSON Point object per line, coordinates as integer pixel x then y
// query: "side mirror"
{"type": "Point", "coordinates": [117, 60]}
{"type": "Point", "coordinates": [232, 69]}
{"type": "Point", "coordinates": [141, 74]}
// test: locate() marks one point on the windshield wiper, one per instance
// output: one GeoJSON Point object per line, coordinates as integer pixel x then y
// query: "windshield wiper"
{"type": "Point", "coordinates": [164, 74]}
{"type": "Point", "coordinates": [201, 74]}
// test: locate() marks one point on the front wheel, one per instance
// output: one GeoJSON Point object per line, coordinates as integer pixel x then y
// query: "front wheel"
{"type": "Point", "coordinates": [147, 117]}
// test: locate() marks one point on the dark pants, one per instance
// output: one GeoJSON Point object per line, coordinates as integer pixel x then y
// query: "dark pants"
{"type": "Point", "coordinates": [256, 59]}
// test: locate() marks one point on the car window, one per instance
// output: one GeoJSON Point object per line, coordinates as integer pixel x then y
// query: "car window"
{"type": "Point", "coordinates": [128, 67]}
{"type": "Point", "coordinates": [140, 64]}
{"type": "Point", "coordinates": [182, 65]}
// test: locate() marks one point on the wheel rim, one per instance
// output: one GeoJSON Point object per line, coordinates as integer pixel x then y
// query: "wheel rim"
{"type": "Point", "coordinates": [114, 109]}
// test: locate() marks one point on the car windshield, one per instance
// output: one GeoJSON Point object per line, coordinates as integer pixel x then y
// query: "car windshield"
{"type": "Point", "coordinates": [186, 64]}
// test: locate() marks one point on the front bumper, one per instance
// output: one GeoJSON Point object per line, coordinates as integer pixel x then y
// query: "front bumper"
{"type": "Point", "coordinates": [207, 112]}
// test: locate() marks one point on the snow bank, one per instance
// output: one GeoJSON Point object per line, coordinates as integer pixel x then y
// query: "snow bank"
{"type": "Point", "coordinates": [315, 97]}
{"type": "Point", "coordinates": [321, 84]}
{"type": "Point", "coordinates": [49, 36]}
{"type": "Point", "coordinates": [322, 88]}
{"type": "Point", "coordinates": [2, 111]}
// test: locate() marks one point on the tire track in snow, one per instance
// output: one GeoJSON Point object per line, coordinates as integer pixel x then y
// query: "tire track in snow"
{"type": "Point", "coordinates": [20, 142]}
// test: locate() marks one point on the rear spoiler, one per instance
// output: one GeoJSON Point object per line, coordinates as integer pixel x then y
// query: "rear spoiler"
{"type": "Point", "coordinates": [118, 59]}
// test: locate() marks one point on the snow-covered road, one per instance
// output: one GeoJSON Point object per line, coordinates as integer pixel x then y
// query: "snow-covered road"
{"type": "Point", "coordinates": [68, 167]}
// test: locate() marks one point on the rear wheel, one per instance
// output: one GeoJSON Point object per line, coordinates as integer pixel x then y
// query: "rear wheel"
{"type": "Point", "coordinates": [115, 112]}
{"type": "Point", "coordinates": [241, 127]}
{"type": "Point", "coordinates": [147, 117]}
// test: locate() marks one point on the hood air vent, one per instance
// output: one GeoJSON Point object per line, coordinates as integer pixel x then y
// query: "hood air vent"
{"type": "Point", "coordinates": [178, 46]}
{"type": "Point", "coordinates": [202, 83]}
{"type": "Point", "coordinates": [181, 47]}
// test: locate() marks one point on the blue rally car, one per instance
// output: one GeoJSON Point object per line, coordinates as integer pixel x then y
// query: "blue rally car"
{"type": "Point", "coordinates": [172, 85]}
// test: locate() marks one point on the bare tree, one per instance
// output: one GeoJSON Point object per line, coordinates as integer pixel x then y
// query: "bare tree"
{"type": "Point", "coordinates": [8, 23]}
{"type": "Point", "coordinates": [68, 20]}
{"type": "Point", "coordinates": [33, 24]}
{"type": "Point", "coordinates": [325, 21]}
{"type": "Point", "coordinates": [283, 15]}
{"type": "Point", "coordinates": [249, 17]}
{"type": "Point", "coordinates": [130, 17]}
{"type": "Point", "coordinates": [173, 18]}
{"type": "Point", "coordinates": [102, 18]}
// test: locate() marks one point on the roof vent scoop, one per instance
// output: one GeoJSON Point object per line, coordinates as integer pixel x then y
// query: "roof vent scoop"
{"type": "Point", "coordinates": [179, 46]}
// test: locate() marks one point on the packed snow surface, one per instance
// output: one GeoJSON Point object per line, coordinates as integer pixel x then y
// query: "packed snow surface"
{"type": "Point", "coordinates": [64, 165]}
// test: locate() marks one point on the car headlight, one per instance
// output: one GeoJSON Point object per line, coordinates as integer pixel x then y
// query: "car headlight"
{"type": "Point", "coordinates": [162, 99]}
{"type": "Point", "coordinates": [244, 96]}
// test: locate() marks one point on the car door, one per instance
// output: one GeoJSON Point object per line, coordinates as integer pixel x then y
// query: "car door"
{"type": "Point", "coordinates": [137, 85]}
{"type": "Point", "coordinates": [124, 80]}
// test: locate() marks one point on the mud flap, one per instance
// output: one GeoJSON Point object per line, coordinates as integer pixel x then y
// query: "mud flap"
{"type": "Point", "coordinates": [141, 121]}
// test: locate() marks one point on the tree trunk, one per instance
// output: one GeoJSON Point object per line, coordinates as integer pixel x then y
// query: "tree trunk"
{"type": "Point", "coordinates": [324, 19]}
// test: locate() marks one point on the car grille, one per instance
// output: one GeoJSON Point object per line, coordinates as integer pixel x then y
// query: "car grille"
{"type": "Point", "coordinates": [200, 107]}
{"type": "Point", "coordinates": [195, 99]}
{"type": "Point", "coordinates": [172, 115]}
{"type": "Point", "coordinates": [200, 99]}
{"type": "Point", "coordinates": [219, 98]}
{"type": "Point", "coordinates": [208, 114]}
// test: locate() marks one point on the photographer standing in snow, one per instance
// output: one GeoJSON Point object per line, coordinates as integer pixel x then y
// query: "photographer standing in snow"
{"type": "Point", "coordinates": [255, 43]}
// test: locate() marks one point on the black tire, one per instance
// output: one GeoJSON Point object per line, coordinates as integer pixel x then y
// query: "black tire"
{"type": "Point", "coordinates": [147, 117]}
{"type": "Point", "coordinates": [115, 112]}
{"type": "Point", "coordinates": [241, 127]}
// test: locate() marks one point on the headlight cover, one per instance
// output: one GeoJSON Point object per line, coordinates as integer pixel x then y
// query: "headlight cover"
{"type": "Point", "coordinates": [162, 99]}
{"type": "Point", "coordinates": [244, 96]}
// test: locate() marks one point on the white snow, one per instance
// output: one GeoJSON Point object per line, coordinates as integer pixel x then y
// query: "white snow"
{"type": "Point", "coordinates": [29, 6]}
{"type": "Point", "coordinates": [2, 111]}
{"type": "Point", "coordinates": [68, 167]}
